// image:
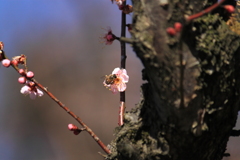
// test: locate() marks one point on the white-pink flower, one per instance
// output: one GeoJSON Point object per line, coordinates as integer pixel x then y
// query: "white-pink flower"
{"type": "Point", "coordinates": [32, 91]}
{"type": "Point", "coordinates": [119, 2]}
{"type": "Point", "coordinates": [117, 80]}
{"type": "Point", "coordinates": [109, 37]}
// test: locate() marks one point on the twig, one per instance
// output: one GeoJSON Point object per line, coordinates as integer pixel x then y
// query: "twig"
{"type": "Point", "coordinates": [209, 9]}
{"type": "Point", "coordinates": [125, 40]}
{"type": "Point", "coordinates": [94, 136]}
{"type": "Point", "coordinates": [123, 65]}
{"type": "Point", "coordinates": [100, 143]}
{"type": "Point", "coordinates": [121, 113]}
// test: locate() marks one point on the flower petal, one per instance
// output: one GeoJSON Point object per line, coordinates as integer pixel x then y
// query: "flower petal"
{"type": "Point", "coordinates": [25, 90]}
{"type": "Point", "coordinates": [39, 93]}
{"type": "Point", "coordinates": [114, 89]}
{"type": "Point", "coordinates": [121, 87]}
{"type": "Point", "coordinates": [124, 71]}
{"type": "Point", "coordinates": [125, 78]}
{"type": "Point", "coordinates": [116, 71]}
{"type": "Point", "coordinates": [33, 95]}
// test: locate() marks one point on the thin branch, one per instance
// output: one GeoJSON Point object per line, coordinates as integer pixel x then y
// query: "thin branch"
{"type": "Point", "coordinates": [123, 65]}
{"type": "Point", "coordinates": [125, 40]}
{"type": "Point", "coordinates": [100, 143]}
{"type": "Point", "coordinates": [123, 44]}
{"type": "Point", "coordinates": [209, 9]}
{"type": "Point", "coordinates": [121, 113]}
{"type": "Point", "coordinates": [94, 136]}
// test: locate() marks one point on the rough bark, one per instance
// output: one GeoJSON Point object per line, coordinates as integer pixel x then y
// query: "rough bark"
{"type": "Point", "coordinates": [191, 99]}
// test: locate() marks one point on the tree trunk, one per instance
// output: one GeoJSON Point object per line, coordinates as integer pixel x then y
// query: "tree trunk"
{"type": "Point", "coordinates": [191, 99]}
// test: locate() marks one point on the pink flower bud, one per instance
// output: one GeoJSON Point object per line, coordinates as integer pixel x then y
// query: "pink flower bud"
{"type": "Point", "coordinates": [14, 62]}
{"type": "Point", "coordinates": [178, 26]}
{"type": "Point", "coordinates": [21, 72]}
{"type": "Point", "coordinates": [171, 31]}
{"type": "Point", "coordinates": [6, 62]}
{"type": "Point", "coordinates": [229, 8]}
{"type": "Point", "coordinates": [72, 127]}
{"type": "Point", "coordinates": [22, 80]}
{"type": "Point", "coordinates": [30, 74]}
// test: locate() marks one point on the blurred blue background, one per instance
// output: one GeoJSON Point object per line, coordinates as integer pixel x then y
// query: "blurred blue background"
{"type": "Point", "coordinates": [61, 41]}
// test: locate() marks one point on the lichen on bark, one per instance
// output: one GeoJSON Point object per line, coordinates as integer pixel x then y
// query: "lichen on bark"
{"type": "Point", "coordinates": [189, 104]}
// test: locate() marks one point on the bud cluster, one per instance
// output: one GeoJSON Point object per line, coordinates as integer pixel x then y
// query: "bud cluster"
{"type": "Point", "coordinates": [30, 87]}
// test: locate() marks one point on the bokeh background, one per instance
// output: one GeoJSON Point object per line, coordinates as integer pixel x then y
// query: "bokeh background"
{"type": "Point", "coordinates": [61, 41]}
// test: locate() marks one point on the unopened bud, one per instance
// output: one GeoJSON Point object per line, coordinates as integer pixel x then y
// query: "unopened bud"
{"type": "Point", "coordinates": [72, 127]}
{"type": "Point", "coordinates": [229, 8]}
{"type": "Point", "coordinates": [30, 74]}
{"type": "Point", "coordinates": [14, 62]}
{"type": "Point", "coordinates": [21, 72]}
{"type": "Point", "coordinates": [178, 26]}
{"type": "Point", "coordinates": [6, 62]}
{"type": "Point", "coordinates": [22, 80]}
{"type": "Point", "coordinates": [171, 31]}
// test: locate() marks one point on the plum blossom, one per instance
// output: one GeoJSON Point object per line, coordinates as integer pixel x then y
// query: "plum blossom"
{"type": "Point", "coordinates": [72, 127]}
{"type": "Point", "coordinates": [116, 81]}
{"type": "Point", "coordinates": [32, 90]}
{"type": "Point", "coordinates": [118, 2]}
{"type": "Point", "coordinates": [109, 37]}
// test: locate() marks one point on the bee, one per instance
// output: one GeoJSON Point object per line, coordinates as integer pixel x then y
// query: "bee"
{"type": "Point", "coordinates": [110, 79]}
